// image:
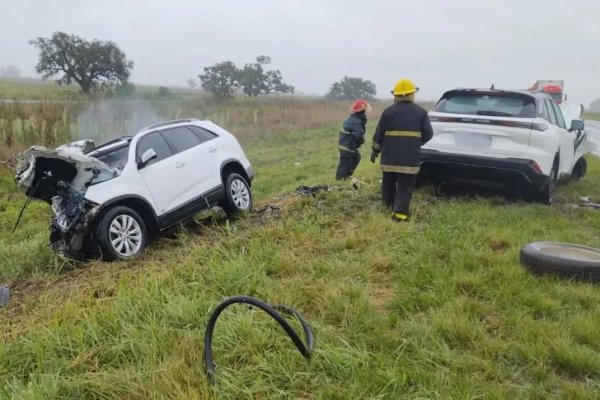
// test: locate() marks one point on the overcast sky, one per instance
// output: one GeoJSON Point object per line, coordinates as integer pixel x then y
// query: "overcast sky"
{"type": "Point", "coordinates": [440, 44]}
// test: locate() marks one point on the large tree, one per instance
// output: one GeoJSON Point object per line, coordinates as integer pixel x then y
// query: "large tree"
{"type": "Point", "coordinates": [352, 88]}
{"type": "Point", "coordinates": [91, 64]}
{"type": "Point", "coordinates": [255, 80]}
{"type": "Point", "coordinates": [220, 79]}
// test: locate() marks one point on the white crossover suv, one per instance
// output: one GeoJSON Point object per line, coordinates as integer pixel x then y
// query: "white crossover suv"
{"type": "Point", "coordinates": [510, 139]}
{"type": "Point", "coordinates": [108, 200]}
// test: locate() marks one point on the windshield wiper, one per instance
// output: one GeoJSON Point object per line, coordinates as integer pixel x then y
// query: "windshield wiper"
{"type": "Point", "coordinates": [495, 113]}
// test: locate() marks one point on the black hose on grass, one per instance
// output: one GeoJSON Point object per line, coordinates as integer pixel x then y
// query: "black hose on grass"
{"type": "Point", "coordinates": [305, 349]}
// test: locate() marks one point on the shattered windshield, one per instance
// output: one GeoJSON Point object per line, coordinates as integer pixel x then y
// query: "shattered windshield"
{"type": "Point", "coordinates": [114, 158]}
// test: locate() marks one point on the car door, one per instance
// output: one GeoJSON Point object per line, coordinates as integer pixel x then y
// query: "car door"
{"type": "Point", "coordinates": [208, 158]}
{"type": "Point", "coordinates": [168, 175]}
{"type": "Point", "coordinates": [567, 139]}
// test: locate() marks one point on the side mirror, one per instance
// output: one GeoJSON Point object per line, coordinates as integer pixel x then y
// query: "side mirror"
{"type": "Point", "coordinates": [577, 125]}
{"type": "Point", "coordinates": [148, 155]}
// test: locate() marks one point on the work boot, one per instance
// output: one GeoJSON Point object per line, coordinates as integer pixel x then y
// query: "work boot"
{"type": "Point", "coordinates": [399, 217]}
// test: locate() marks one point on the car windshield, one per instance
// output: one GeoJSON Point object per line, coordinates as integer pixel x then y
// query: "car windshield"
{"type": "Point", "coordinates": [496, 104]}
{"type": "Point", "coordinates": [114, 158]}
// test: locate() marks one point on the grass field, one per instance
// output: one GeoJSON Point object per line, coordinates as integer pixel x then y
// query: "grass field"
{"type": "Point", "coordinates": [594, 116]}
{"type": "Point", "coordinates": [438, 308]}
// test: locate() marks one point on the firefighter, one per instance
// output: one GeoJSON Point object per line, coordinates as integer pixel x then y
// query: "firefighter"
{"type": "Point", "coordinates": [351, 138]}
{"type": "Point", "coordinates": [402, 129]}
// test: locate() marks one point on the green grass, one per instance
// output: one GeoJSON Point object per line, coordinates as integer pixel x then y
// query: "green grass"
{"type": "Point", "coordinates": [594, 116]}
{"type": "Point", "coordinates": [438, 308]}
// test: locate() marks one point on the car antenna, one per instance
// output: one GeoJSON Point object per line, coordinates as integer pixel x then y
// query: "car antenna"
{"type": "Point", "coordinates": [492, 88]}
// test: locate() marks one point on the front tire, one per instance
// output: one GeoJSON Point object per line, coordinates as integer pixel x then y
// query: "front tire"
{"type": "Point", "coordinates": [579, 169]}
{"type": "Point", "coordinates": [122, 234]}
{"type": "Point", "coordinates": [238, 196]}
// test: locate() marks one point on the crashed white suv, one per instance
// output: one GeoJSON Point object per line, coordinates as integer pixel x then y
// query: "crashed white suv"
{"type": "Point", "coordinates": [511, 139]}
{"type": "Point", "coordinates": [108, 200]}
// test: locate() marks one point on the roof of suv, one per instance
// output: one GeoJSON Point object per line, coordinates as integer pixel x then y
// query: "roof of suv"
{"type": "Point", "coordinates": [536, 94]}
{"type": "Point", "coordinates": [167, 124]}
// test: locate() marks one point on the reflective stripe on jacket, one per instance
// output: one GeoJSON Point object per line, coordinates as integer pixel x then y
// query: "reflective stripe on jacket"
{"type": "Point", "coordinates": [402, 129]}
{"type": "Point", "coordinates": [353, 134]}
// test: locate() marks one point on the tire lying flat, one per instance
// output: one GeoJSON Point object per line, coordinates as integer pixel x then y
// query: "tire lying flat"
{"type": "Point", "coordinates": [562, 259]}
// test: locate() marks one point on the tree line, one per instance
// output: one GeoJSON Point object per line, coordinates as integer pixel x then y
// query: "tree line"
{"type": "Point", "coordinates": [97, 64]}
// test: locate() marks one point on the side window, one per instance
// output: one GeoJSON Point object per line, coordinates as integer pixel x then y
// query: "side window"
{"type": "Point", "coordinates": [553, 119]}
{"type": "Point", "coordinates": [153, 141]}
{"type": "Point", "coordinates": [202, 133]}
{"type": "Point", "coordinates": [180, 138]}
{"type": "Point", "coordinates": [543, 112]}
{"type": "Point", "coordinates": [559, 116]}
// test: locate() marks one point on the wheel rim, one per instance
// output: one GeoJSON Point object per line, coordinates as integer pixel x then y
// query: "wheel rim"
{"type": "Point", "coordinates": [125, 235]}
{"type": "Point", "coordinates": [240, 194]}
{"type": "Point", "coordinates": [570, 251]}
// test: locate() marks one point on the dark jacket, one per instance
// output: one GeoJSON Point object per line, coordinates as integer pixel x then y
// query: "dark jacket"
{"type": "Point", "coordinates": [353, 134]}
{"type": "Point", "coordinates": [402, 129]}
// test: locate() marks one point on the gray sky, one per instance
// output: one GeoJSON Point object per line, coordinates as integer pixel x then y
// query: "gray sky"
{"type": "Point", "coordinates": [440, 44]}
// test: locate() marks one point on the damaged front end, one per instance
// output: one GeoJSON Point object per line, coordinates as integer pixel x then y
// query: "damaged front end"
{"type": "Point", "coordinates": [70, 231]}
{"type": "Point", "coordinates": [61, 177]}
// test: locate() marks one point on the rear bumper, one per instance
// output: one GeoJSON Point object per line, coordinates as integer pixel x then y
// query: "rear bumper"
{"type": "Point", "coordinates": [476, 169]}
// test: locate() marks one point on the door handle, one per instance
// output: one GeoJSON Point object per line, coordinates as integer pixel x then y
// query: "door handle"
{"type": "Point", "coordinates": [212, 149]}
{"type": "Point", "coordinates": [179, 164]}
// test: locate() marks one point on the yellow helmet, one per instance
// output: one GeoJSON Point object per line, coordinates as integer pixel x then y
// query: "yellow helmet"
{"type": "Point", "coordinates": [404, 87]}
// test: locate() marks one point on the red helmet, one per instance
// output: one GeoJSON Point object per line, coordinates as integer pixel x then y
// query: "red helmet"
{"type": "Point", "coordinates": [360, 105]}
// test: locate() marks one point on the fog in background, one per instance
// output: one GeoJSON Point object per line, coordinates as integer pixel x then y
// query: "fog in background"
{"type": "Point", "coordinates": [112, 118]}
{"type": "Point", "coordinates": [438, 44]}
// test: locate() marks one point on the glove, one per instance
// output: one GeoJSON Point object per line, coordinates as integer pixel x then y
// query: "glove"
{"type": "Point", "coordinates": [374, 155]}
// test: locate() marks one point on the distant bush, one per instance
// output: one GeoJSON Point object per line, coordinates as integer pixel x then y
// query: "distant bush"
{"type": "Point", "coordinates": [164, 91]}
{"type": "Point", "coordinates": [352, 88]}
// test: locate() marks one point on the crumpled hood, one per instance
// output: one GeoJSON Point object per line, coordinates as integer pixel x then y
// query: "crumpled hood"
{"type": "Point", "coordinates": [39, 170]}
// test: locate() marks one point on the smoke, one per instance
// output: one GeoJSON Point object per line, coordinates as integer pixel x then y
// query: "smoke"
{"type": "Point", "coordinates": [108, 119]}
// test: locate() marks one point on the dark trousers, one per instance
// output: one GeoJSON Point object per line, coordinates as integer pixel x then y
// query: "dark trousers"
{"type": "Point", "coordinates": [348, 162]}
{"type": "Point", "coordinates": [397, 190]}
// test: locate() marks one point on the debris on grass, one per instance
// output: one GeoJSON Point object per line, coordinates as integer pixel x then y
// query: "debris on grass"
{"type": "Point", "coordinates": [4, 295]}
{"type": "Point", "coordinates": [312, 190]}
{"type": "Point", "coordinates": [305, 347]}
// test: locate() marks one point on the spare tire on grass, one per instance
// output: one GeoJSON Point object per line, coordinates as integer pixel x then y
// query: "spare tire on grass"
{"type": "Point", "coordinates": [563, 259]}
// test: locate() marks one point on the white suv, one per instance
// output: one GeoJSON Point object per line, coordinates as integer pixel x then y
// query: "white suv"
{"type": "Point", "coordinates": [512, 139]}
{"type": "Point", "coordinates": [110, 199]}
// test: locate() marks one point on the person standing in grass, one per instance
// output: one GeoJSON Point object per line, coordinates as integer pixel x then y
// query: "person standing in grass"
{"type": "Point", "coordinates": [351, 138]}
{"type": "Point", "coordinates": [402, 129]}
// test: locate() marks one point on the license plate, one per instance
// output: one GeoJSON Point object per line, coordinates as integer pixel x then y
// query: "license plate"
{"type": "Point", "coordinates": [464, 139]}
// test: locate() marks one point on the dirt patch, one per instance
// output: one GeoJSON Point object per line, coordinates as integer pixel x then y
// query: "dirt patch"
{"type": "Point", "coordinates": [380, 295]}
{"type": "Point", "coordinates": [499, 244]}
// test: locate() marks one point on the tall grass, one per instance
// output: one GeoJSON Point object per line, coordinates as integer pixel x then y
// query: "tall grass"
{"type": "Point", "coordinates": [53, 122]}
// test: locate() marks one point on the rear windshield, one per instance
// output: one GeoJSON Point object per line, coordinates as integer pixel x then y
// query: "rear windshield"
{"type": "Point", "coordinates": [490, 104]}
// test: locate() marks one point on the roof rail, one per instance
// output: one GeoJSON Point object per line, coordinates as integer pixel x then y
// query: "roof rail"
{"type": "Point", "coordinates": [175, 121]}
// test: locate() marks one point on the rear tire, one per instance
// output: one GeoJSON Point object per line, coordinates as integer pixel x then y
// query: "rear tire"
{"type": "Point", "coordinates": [122, 234]}
{"type": "Point", "coordinates": [238, 196]}
{"type": "Point", "coordinates": [545, 196]}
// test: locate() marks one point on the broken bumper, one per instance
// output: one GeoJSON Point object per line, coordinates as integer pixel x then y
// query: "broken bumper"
{"type": "Point", "coordinates": [72, 223]}
{"type": "Point", "coordinates": [498, 171]}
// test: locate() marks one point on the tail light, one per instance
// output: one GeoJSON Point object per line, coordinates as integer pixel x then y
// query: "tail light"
{"type": "Point", "coordinates": [536, 167]}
